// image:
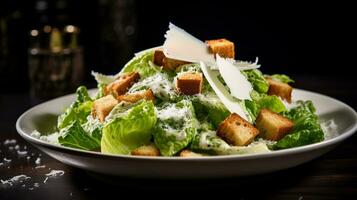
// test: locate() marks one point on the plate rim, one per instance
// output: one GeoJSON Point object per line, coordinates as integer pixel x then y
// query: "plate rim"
{"type": "Point", "coordinates": [319, 145]}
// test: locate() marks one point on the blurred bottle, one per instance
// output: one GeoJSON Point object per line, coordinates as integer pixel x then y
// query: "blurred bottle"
{"type": "Point", "coordinates": [55, 58]}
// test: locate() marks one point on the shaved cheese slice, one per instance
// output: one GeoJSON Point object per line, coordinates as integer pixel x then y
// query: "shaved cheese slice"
{"type": "Point", "coordinates": [238, 84]}
{"type": "Point", "coordinates": [180, 45]}
{"type": "Point", "coordinates": [241, 65]}
{"type": "Point", "coordinates": [230, 102]}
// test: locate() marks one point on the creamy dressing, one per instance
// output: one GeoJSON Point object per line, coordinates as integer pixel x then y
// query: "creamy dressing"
{"type": "Point", "coordinates": [178, 115]}
{"type": "Point", "coordinates": [172, 112]}
{"type": "Point", "coordinates": [158, 83]}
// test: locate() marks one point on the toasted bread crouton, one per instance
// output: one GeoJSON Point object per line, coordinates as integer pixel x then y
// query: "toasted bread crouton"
{"type": "Point", "coordinates": [237, 131]}
{"type": "Point", "coordinates": [189, 154]}
{"type": "Point", "coordinates": [167, 63]}
{"type": "Point", "coordinates": [159, 57]}
{"type": "Point", "coordinates": [102, 107]}
{"type": "Point", "coordinates": [190, 83]}
{"type": "Point", "coordinates": [121, 85]}
{"type": "Point", "coordinates": [273, 126]}
{"type": "Point", "coordinates": [222, 47]}
{"type": "Point", "coordinates": [280, 89]}
{"type": "Point", "coordinates": [146, 150]}
{"type": "Point", "coordinates": [136, 96]}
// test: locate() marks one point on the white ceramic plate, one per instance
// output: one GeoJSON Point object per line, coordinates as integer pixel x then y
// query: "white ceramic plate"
{"type": "Point", "coordinates": [43, 118]}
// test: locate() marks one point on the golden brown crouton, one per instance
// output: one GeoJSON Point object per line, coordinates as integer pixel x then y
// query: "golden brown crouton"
{"type": "Point", "coordinates": [273, 126]}
{"type": "Point", "coordinates": [136, 96]}
{"type": "Point", "coordinates": [121, 85]}
{"type": "Point", "coordinates": [146, 150]}
{"type": "Point", "coordinates": [222, 47]}
{"type": "Point", "coordinates": [280, 89]}
{"type": "Point", "coordinates": [167, 63]}
{"type": "Point", "coordinates": [190, 83]}
{"type": "Point", "coordinates": [189, 154]}
{"type": "Point", "coordinates": [237, 131]}
{"type": "Point", "coordinates": [102, 107]}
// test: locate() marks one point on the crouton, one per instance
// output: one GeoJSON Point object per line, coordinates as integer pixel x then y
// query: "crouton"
{"type": "Point", "coordinates": [159, 57]}
{"type": "Point", "coordinates": [237, 131]}
{"type": "Point", "coordinates": [146, 150]}
{"type": "Point", "coordinates": [121, 85]}
{"type": "Point", "coordinates": [136, 96]}
{"type": "Point", "coordinates": [102, 107]}
{"type": "Point", "coordinates": [273, 126]}
{"type": "Point", "coordinates": [189, 154]}
{"type": "Point", "coordinates": [280, 89]}
{"type": "Point", "coordinates": [222, 47]}
{"type": "Point", "coordinates": [190, 83]}
{"type": "Point", "coordinates": [167, 63]}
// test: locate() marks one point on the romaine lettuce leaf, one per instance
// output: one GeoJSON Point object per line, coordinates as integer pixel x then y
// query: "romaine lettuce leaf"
{"type": "Point", "coordinates": [175, 128]}
{"type": "Point", "coordinates": [101, 90]}
{"type": "Point", "coordinates": [75, 136]}
{"type": "Point", "coordinates": [93, 127]}
{"type": "Point", "coordinates": [129, 131]}
{"type": "Point", "coordinates": [209, 105]}
{"type": "Point", "coordinates": [206, 141]}
{"type": "Point", "coordinates": [104, 79]}
{"type": "Point", "coordinates": [160, 84]}
{"type": "Point", "coordinates": [78, 111]}
{"type": "Point", "coordinates": [256, 78]}
{"type": "Point", "coordinates": [143, 65]}
{"type": "Point", "coordinates": [307, 129]}
{"type": "Point", "coordinates": [260, 101]}
{"type": "Point", "coordinates": [282, 78]}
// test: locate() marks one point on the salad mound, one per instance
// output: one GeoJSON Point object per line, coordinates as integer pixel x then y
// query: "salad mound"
{"type": "Point", "coordinates": [177, 102]}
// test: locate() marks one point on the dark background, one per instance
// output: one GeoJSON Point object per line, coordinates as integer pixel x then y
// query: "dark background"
{"type": "Point", "coordinates": [314, 44]}
{"type": "Point", "coordinates": [302, 40]}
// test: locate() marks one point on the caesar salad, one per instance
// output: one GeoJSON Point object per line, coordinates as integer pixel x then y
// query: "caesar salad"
{"type": "Point", "coordinates": [188, 98]}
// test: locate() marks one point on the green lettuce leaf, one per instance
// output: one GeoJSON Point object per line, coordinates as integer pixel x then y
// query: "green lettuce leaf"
{"type": "Point", "coordinates": [307, 129]}
{"type": "Point", "coordinates": [282, 78]}
{"type": "Point", "coordinates": [78, 111]}
{"type": "Point", "coordinates": [161, 85]}
{"type": "Point", "coordinates": [175, 128]}
{"type": "Point", "coordinates": [93, 127]}
{"type": "Point", "coordinates": [130, 130]}
{"type": "Point", "coordinates": [101, 90]}
{"type": "Point", "coordinates": [256, 78]}
{"type": "Point", "coordinates": [260, 101]}
{"type": "Point", "coordinates": [143, 65]}
{"type": "Point", "coordinates": [206, 141]}
{"type": "Point", "coordinates": [209, 105]}
{"type": "Point", "coordinates": [76, 137]}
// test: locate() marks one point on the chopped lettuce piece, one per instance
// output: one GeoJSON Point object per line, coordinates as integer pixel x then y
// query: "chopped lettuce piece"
{"type": "Point", "coordinates": [78, 111]}
{"type": "Point", "coordinates": [101, 90]}
{"type": "Point", "coordinates": [93, 127]}
{"type": "Point", "coordinates": [207, 141]}
{"type": "Point", "coordinates": [209, 105]}
{"type": "Point", "coordinates": [260, 101]}
{"type": "Point", "coordinates": [160, 84]}
{"type": "Point", "coordinates": [307, 129]}
{"type": "Point", "coordinates": [282, 78]}
{"type": "Point", "coordinates": [256, 78]}
{"type": "Point", "coordinates": [143, 65]}
{"type": "Point", "coordinates": [129, 131]}
{"type": "Point", "coordinates": [75, 136]}
{"type": "Point", "coordinates": [104, 79]}
{"type": "Point", "coordinates": [175, 128]}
